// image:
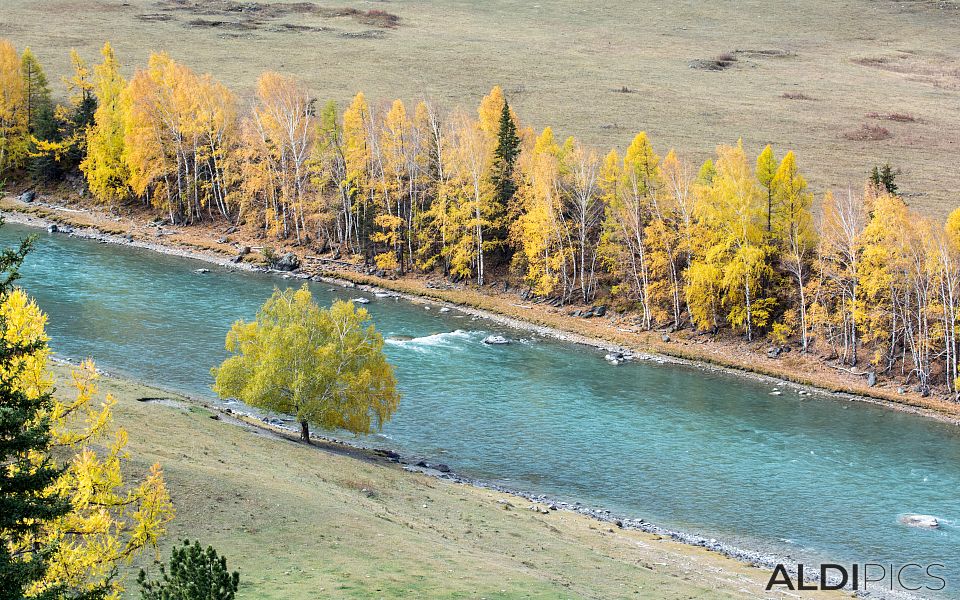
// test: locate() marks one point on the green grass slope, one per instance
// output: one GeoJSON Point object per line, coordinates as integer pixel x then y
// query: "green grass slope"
{"type": "Point", "coordinates": [330, 522]}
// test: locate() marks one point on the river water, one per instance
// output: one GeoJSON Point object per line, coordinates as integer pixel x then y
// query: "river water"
{"type": "Point", "coordinates": [812, 477]}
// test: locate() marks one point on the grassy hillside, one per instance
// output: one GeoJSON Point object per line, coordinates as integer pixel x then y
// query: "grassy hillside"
{"type": "Point", "coordinates": [302, 522]}
{"type": "Point", "coordinates": [808, 78]}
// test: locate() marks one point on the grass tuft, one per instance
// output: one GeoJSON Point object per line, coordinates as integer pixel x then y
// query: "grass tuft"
{"type": "Point", "coordinates": [868, 133]}
{"type": "Point", "coordinates": [796, 96]}
{"type": "Point", "coordinates": [895, 116]}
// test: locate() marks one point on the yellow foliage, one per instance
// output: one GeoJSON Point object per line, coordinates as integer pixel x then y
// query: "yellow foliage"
{"type": "Point", "coordinates": [540, 231]}
{"type": "Point", "coordinates": [177, 122]}
{"type": "Point", "coordinates": [14, 140]}
{"type": "Point", "coordinates": [731, 216]}
{"type": "Point", "coordinates": [781, 333]}
{"type": "Point", "coordinates": [111, 520]}
{"type": "Point", "coordinates": [104, 165]}
{"type": "Point", "coordinates": [356, 150]}
{"type": "Point", "coordinates": [389, 235]}
{"type": "Point", "coordinates": [325, 367]}
{"type": "Point", "coordinates": [279, 138]}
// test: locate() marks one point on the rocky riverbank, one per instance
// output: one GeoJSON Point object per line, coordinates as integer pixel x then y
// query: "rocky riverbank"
{"type": "Point", "coordinates": [604, 334]}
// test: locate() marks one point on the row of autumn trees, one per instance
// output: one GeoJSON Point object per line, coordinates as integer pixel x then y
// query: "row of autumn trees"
{"type": "Point", "coordinates": [734, 243]}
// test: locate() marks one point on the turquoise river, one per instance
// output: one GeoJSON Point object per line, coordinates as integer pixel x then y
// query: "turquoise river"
{"type": "Point", "coordinates": [813, 477]}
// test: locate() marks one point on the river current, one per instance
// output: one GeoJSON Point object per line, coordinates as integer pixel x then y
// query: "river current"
{"type": "Point", "coordinates": [810, 477]}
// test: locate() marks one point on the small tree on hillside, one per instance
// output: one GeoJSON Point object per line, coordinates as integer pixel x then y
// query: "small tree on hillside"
{"type": "Point", "coordinates": [195, 574]}
{"type": "Point", "coordinates": [324, 366]}
{"type": "Point", "coordinates": [883, 178]}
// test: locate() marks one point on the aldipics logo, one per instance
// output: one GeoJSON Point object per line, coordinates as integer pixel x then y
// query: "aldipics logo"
{"type": "Point", "coordinates": [866, 577]}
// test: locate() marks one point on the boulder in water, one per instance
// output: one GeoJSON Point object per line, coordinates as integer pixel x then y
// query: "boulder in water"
{"type": "Point", "coordinates": [360, 300]}
{"type": "Point", "coordinates": [201, 271]}
{"type": "Point", "coordinates": [614, 358]}
{"type": "Point", "coordinates": [921, 521]}
{"type": "Point", "coordinates": [495, 340]}
{"type": "Point", "coordinates": [52, 228]}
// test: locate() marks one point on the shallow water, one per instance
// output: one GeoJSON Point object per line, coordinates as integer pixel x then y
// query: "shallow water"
{"type": "Point", "coordinates": [812, 477]}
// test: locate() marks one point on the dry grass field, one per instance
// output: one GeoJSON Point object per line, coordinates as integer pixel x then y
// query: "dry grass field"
{"type": "Point", "coordinates": [845, 83]}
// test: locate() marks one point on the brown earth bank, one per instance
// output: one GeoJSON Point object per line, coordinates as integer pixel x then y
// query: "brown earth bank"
{"type": "Point", "coordinates": [613, 331]}
{"type": "Point", "coordinates": [335, 521]}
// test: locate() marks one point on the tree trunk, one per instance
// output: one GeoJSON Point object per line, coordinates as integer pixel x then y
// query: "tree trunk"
{"type": "Point", "coordinates": [304, 432]}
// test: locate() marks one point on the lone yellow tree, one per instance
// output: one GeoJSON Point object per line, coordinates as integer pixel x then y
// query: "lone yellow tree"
{"type": "Point", "coordinates": [324, 366]}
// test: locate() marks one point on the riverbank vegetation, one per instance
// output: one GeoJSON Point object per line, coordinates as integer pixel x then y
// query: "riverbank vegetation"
{"type": "Point", "coordinates": [735, 244]}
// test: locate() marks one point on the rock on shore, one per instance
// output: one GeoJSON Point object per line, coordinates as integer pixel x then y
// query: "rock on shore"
{"type": "Point", "coordinates": [287, 262]}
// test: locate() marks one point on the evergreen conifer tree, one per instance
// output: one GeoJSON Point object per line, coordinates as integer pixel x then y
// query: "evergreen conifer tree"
{"type": "Point", "coordinates": [883, 178]}
{"type": "Point", "coordinates": [194, 574]}
{"type": "Point", "coordinates": [42, 123]}
{"type": "Point", "coordinates": [505, 157]}
{"type": "Point", "coordinates": [502, 175]}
